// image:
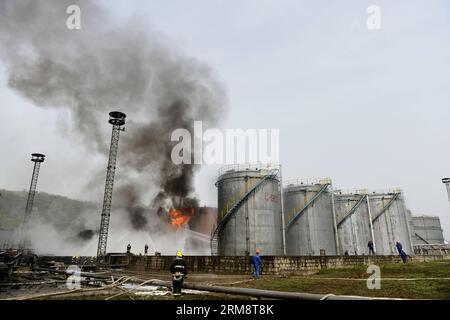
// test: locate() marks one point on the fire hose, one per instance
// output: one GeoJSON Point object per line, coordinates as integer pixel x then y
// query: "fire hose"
{"type": "Point", "coordinates": [259, 293]}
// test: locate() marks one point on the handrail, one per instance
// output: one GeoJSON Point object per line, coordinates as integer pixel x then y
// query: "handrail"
{"type": "Point", "coordinates": [421, 238]}
{"type": "Point", "coordinates": [385, 191]}
{"type": "Point", "coordinates": [352, 210]}
{"type": "Point", "coordinates": [248, 166]}
{"type": "Point", "coordinates": [386, 207]}
{"type": "Point", "coordinates": [307, 181]}
{"type": "Point", "coordinates": [350, 192]}
{"type": "Point", "coordinates": [325, 186]}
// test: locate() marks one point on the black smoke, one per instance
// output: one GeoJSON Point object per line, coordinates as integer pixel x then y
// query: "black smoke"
{"type": "Point", "coordinates": [86, 234]}
{"type": "Point", "coordinates": [113, 65]}
{"type": "Point", "coordinates": [138, 217]}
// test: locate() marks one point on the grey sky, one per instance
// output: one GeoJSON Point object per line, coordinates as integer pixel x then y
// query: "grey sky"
{"type": "Point", "coordinates": [367, 108]}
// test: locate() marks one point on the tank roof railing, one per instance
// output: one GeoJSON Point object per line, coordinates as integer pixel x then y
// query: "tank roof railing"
{"type": "Point", "coordinates": [421, 216]}
{"type": "Point", "coordinates": [307, 181]}
{"type": "Point", "coordinates": [248, 166]}
{"type": "Point", "coordinates": [386, 191]}
{"type": "Point", "coordinates": [351, 191]}
{"type": "Point", "coordinates": [356, 191]}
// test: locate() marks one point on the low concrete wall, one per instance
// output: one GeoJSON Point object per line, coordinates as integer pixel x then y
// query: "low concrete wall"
{"type": "Point", "coordinates": [241, 265]}
{"type": "Point", "coordinates": [271, 264]}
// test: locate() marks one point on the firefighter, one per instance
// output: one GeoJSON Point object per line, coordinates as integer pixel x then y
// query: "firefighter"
{"type": "Point", "coordinates": [76, 259]}
{"type": "Point", "coordinates": [128, 248]}
{"type": "Point", "coordinates": [146, 249]}
{"type": "Point", "coordinates": [179, 272]}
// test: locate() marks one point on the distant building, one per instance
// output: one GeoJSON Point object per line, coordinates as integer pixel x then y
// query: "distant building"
{"type": "Point", "coordinates": [427, 230]}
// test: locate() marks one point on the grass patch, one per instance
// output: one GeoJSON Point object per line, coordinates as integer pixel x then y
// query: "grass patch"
{"type": "Point", "coordinates": [420, 289]}
{"type": "Point", "coordinates": [437, 269]}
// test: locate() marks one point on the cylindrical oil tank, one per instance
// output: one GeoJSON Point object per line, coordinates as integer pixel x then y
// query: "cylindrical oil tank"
{"type": "Point", "coordinates": [257, 221]}
{"type": "Point", "coordinates": [309, 217]}
{"type": "Point", "coordinates": [353, 220]}
{"type": "Point", "coordinates": [390, 222]}
{"type": "Point", "coordinates": [427, 230]}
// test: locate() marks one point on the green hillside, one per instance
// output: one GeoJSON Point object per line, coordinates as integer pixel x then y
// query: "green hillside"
{"type": "Point", "coordinates": [62, 212]}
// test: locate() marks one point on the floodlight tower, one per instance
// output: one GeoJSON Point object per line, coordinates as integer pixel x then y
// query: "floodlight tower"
{"type": "Point", "coordinates": [117, 119]}
{"type": "Point", "coordinates": [37, 158]}
{"type": "Point", "coordinates": [446, 181]}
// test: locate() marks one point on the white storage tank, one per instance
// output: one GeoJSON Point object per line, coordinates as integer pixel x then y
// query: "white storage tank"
{"type": "Point", "coordinates": [353, 220]}
{"type": "Point", "coordinates": [390, 222]}
{"type": "Point", "coordinates": [249, 211]}
{"type": "Point", "coordinates": [309, 217]}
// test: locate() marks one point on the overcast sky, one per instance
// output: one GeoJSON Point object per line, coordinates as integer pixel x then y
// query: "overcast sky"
{"type": "Point", "coordinates": [368, 108]}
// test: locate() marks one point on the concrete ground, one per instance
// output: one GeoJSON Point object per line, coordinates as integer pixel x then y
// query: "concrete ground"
{"type": "Point", "coordinates": [203, 278]}
{"type": "Point", "coordinates": [36, 286]}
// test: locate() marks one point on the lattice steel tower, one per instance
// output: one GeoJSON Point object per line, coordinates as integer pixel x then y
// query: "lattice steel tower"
{"type": "Point", "coordinates": [37, 158]}
{"type": "Point", "coordinates": [117, 119]}
{"type": "Point", "coordinates": [446, 181]}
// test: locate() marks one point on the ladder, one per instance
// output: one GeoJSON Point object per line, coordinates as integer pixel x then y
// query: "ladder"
{"type": "Point", "coordinates": [421, 238]}
{"type": "Point", "coordinates": [352, 210]}
{"type": "Point", "coordinates": [396, 195]}
{"type": "Point", "coordinates": [234, 208]}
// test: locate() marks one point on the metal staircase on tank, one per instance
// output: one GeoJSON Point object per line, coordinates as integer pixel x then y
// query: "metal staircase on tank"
{"type": "Point", "coordinates": [395, 197]}
{"type": "Point", "coordinates": [432, 246]}
{"type": "Point", "coordinates": [325, 187]}
{"type": "Point", "coordinates": [215, 235]}
{"type": "Point", "coordinates": [352, 210]}
{"type": "Point", "coordinates": [421, 238]}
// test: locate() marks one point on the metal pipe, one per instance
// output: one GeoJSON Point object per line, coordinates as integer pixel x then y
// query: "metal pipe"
{"type": "Point", "coordinates": [283, 222]}
{"type": "Point", "coordinates": [372, 237]}
{"type": "Point", "coordinates": [257, 292]}
{"type": "Point", "coordinates": [336, 236]}
{"type": "Point", "coordinates": [408, 227]}
{"type": "Point", "coordinates": [247, 223]}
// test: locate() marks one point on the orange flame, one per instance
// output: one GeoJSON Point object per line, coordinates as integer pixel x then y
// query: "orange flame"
{"type": "Point", "coordinates": [179, 217]}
